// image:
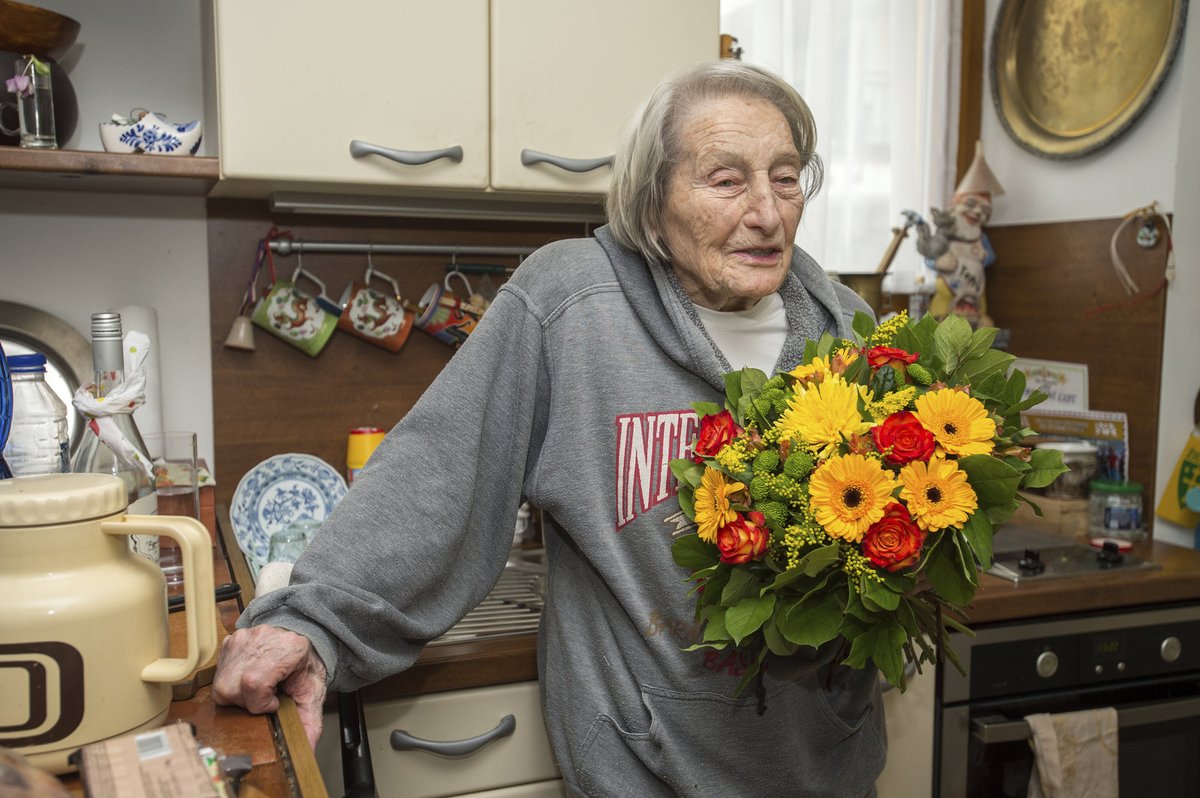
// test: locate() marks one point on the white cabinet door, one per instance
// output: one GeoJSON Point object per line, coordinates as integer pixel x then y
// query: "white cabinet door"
{"type": "Point", "coordinates": [298, 80]}
{"type": "Point", "coordinates": [909, 715]}
{"type": "Point", "coordinates": [567, 75]}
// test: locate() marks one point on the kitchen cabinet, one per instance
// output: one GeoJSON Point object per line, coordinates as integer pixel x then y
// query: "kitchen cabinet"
{"type": "Point", "coordinates": [909, 717]}
{"type": "Point", "coordinates": [516, 764]}
{"type": "Point", "coordinates": [472, 90]}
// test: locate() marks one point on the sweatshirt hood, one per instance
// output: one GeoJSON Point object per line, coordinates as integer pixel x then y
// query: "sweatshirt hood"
{"type": "Point", "coordinates": [814, 304]}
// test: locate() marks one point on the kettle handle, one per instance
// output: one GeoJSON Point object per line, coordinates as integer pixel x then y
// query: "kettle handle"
{"type": "Point", "coordinates": [195, 545]}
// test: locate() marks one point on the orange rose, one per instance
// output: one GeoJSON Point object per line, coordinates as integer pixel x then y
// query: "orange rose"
{"type": "Point", "coordinates": [880, 356]}
{"type": "Point", "coordinates": [744, 539]}
{"type": "Point", "coordinates": [715, 432]}
{"type": "Point", "coordinates": [901, 438]}
{"type": "Point", "coordinates": [894, 541]}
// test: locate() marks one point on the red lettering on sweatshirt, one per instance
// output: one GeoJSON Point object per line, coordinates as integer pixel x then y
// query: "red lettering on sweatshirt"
{"type": "Point", "coordinates": [646, 444]}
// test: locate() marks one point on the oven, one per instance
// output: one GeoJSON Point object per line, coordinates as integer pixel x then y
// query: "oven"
{"type": "Point", "coordinates": [1145, 662]}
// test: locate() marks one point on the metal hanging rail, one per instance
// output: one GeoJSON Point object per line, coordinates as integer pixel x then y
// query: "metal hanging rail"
{"type": "Point", "coordinates": [285, 246]}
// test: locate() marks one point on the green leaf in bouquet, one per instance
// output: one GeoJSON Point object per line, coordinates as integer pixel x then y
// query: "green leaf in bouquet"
{"type": "Point", "coordinates": [1045, 466]}
{"type": "Point", "coordinates": [884, 645]}
{"type": "Point", "coordinates": [997, 514]}
{"type": "Point", "coordinates": [977, 531]}
{"type": "Point", "coordinates": [692, 553]}
{"type": "Point", "coordinates": [863, 325]}
{"type": "Point", "coordinates": [796, 579]}
{"type": "Point", "coordinates": [945, 570]}
{"type": "Point", "coordinates": [733, 393]}
{"type": "Point", "coordinates": [819, 559]}
{"type": "Point", "coordinates": [877, 595]}
{"type": "Point", "coordinates": [981, 341]}
{"type": "Point", "coordinates": [951, 341]}
{"type": "Point", "coordinates": [748, 615]}
{"type": "Point", "coordinates": [812, 621]}
{"type": "Point", "coordinates": [751, 672]}
{"type": "Point", "coordinates": [1014, 388]}
{"type": "Point", "coordinates": [1034, 399]}
{"type": "Point", "coordinates": [688, 472]}
{"type": "Point", "coordinates": [917, 337]}
{"type": "Point", "coordinates": [994, 481]}
{"type": "Point", "coordinates": [714, 625]}
{"type": "Point", "coordinates": [859, 372]}
{"type": "Point", "coordinates": [714, 586]}
{"type": "Point", "coordinates": [825, 345]}
{"type": "Point", "coordinates": [706, 409]}
{"type": "Point", "coordinates": [753, 381]}
{"type": "Point", "coordinates": [776, 642]}
{"type": "Point", "coordinates": [990, 362]}
{"type": "Point", "coordinates": [742, 583]}
{"type": "Point", "coordinates": [687, 501]}
{"type": "Point", "coordinates": [1037, 510]}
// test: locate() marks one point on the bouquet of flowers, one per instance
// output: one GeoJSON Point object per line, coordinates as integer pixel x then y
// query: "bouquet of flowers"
{"type": "Point", "coordinates": [856, 495]}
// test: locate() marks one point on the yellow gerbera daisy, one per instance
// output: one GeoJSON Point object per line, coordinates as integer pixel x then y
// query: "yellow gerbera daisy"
{"type": "Point", "coordinates": [712, 503]}
{"type": "Point", "coordinates": [848, 494]}
{"type": "Point", "coordinates": [824, 414]}
{"type": "Point", "coordinates": [813, 370]}
{"type": "Point", "coordinates": [937, 493]}
{"type": "Point", "coordinates": [959, 422]}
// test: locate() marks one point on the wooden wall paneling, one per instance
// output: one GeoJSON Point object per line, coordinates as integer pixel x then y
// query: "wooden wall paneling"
{"type": "Point", "coordinates": [277, 399]}
{"type": "Point", "coordinates": [1048, 287]}
{"type": "Point", "coordinates": [972, 77]}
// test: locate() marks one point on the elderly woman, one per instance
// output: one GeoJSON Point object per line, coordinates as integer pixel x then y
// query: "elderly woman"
{"type": "Point", "coordinates": [573, 392]}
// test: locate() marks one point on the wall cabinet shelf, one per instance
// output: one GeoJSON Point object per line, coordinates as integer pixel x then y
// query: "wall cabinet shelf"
{"type": "Point", "coordinates": [81, 170]}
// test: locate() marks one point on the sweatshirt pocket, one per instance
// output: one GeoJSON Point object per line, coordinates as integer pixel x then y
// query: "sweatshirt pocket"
{"type": "Point", "coordinates": [805, 744]}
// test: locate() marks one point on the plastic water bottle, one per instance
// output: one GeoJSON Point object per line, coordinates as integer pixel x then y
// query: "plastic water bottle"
{"type": "Point", "coordinates": [38, 442]}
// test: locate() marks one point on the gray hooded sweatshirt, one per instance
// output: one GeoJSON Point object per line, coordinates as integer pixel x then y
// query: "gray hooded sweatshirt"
{"type": "Point", "coordinates": [575, 391]}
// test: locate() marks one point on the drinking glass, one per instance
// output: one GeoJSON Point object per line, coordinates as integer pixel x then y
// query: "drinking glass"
{"type": "Point", "coordinates": [287, 545]}
{"type": "Point", "coordinates": [36, 109]}
{"type": "Point", "coordinates": [177, 486]}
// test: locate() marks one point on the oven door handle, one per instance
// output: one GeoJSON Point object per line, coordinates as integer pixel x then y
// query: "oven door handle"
{"type": "Point", "coordinates": [998, 729]}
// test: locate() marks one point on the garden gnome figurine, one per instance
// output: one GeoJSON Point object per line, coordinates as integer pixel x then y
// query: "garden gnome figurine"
{"type": "Point", "coordinates": [959, 251]}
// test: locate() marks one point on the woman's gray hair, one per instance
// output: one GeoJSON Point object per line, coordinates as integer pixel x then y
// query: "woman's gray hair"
{"type": "Point", "coordinates": [651, 146]}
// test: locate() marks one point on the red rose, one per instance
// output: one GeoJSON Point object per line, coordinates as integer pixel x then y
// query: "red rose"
{"type": "Point", "coordinates": [880, 356]}
{"type": "Point", "coordinates": [894, 541]}
{"type": "Point", "coordinates": [744, 539]}
{"type": "Point", "coordinates": [715, 432]}
{"type": "Point", "coordinates": [901, 439]}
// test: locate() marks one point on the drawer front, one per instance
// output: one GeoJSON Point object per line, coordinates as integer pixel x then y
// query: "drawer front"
{"type": "Point", "coordinates": [521, 758]}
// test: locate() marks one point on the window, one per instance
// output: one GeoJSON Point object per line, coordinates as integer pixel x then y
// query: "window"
{"type": "Point", "coordinates": [880, 77]}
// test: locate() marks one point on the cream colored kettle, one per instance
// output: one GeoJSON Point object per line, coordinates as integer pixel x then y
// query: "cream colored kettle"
{"type": "Point", "coordinates": [83, 620]}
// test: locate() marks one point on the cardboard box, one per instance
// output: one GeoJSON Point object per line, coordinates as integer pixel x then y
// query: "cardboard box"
{"type": "Point", "coordinates": [1065, 517]}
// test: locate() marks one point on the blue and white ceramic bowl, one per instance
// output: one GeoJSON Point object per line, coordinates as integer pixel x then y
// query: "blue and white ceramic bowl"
{"type": "Point", "coordinates": [151, 134]}
{"type": "Point", "coordinates": [279, 492]}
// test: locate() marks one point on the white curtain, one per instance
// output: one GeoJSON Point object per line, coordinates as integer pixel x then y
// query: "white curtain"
{"type": "Point", "coordinates": [881, 78]}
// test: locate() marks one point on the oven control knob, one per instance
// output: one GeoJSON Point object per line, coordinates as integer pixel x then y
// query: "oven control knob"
{"type": "Point", "coordinates": [1170, 649]}
{"type": "Point", "coordinates": [1047, 664]}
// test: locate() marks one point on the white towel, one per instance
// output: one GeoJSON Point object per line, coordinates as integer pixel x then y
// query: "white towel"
{"type": "Point", "coordinates": [1075, 754]}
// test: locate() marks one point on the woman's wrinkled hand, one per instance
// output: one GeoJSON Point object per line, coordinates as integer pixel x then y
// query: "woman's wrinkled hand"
{"type": "Point", "coordinates": [259, 662]}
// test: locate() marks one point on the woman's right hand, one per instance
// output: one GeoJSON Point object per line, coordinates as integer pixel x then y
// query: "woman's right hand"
{"type": "Point", "coordinates": [259, 662]}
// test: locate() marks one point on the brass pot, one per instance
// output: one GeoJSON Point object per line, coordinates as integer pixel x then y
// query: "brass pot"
{"type": "Point", "coordinates": [867, 286]}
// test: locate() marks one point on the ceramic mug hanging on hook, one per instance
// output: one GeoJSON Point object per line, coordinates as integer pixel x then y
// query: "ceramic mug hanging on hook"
{"type": "Point", "coordinates": [475, 303]}
{"type": "Point", "coordinates": [375, 316]}
{"type": "Point", "coordinates": [304, 321]}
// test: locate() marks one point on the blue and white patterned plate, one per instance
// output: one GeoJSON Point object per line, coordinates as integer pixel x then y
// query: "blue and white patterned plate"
{"type": "Point", "coordinates": [277, 492]}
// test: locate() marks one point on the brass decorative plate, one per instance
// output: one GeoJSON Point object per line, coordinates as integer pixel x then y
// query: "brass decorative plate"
{"type": "Point", "coordinates": [1070, 76]}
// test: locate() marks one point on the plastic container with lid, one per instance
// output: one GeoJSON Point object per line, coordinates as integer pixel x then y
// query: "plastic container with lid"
{"type": "Point", "coordinates": [1115, 509]}
{"type": "Point", "coordinates": [39, 441]}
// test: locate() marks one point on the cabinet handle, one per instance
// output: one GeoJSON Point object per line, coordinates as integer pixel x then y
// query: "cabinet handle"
{"type": "Point", "coordinates": [530, 157]}
{"type": "Point", "coordinates": [996, 729]}
{"type": "Point", "coordinates": [358, 149]}
{"type": "Point", "coordinates": [403, 741]}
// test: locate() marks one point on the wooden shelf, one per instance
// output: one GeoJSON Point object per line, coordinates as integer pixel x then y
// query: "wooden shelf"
{"type": "Point", "coordinates": [81, 170]}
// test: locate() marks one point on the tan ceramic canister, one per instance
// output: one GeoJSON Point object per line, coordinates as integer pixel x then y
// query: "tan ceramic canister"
{"type": "Point", "coordinates": [83, 621]}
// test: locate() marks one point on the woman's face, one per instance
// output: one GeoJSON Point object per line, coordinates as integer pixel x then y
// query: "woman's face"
{"type": "Point", "coordinates": [733, 202]}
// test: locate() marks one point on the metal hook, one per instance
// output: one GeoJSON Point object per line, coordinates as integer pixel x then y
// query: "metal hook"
{"type": "Point", "coordinates": [370, 264]}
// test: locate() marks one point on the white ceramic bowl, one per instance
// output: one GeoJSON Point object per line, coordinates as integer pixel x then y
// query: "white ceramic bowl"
{"type": "Point", "coordinates": [151, 134]}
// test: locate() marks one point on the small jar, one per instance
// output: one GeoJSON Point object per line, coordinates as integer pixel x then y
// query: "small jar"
{"type": "Point", "coordinates": [1115, 509]}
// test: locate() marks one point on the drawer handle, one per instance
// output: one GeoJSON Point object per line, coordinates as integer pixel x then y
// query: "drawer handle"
{"type": "Point", "coordinates": [359, 149]}
{"type": "Point", "coordinates": [403, 741]}
{"type": "Point", "coordinates": [530, 157]}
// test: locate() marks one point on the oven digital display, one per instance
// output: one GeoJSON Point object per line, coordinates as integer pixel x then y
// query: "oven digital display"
{"type": "Point", "coordinates": [1108, 647]}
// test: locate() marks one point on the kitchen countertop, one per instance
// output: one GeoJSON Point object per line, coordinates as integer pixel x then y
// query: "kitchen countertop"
{"type": "Point", "coordinates": [512, 659]}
